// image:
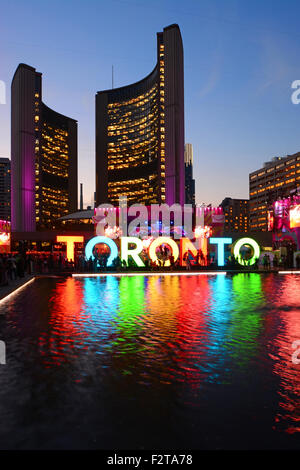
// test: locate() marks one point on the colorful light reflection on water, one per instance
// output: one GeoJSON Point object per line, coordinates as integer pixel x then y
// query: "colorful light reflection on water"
{"type": "Point", "coordinates": [143, 362]}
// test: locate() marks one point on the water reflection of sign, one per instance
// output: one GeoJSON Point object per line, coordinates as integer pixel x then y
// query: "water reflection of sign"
{"type": "Point", "coordinates": [295, 217]}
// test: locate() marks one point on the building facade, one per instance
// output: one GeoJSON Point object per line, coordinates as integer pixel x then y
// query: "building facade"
{"type": "Point", "coordinates": [236, 215]}
{"type": "Point", "coordinates": [284, 223]}
{"type": "Point", "coordinates": [140, 132]}
{"type": "Point", "coordinates": [277, 179]}
{"type": "Point", "coordinates": [43, 156]}
{"type": "Point", "coordinates": [5, 185]}
{"type": "Point", "coordinates": [189, 181]}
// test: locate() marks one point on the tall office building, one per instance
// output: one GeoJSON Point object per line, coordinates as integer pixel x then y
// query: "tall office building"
{"type": "Point", "coordinates": [189, 181]}
{"type": "Point", "coordinates": [140, 132]}
{"type": "Point", "coordinates": [4, 189]}
{"type": "Point", "coordinates": [278, 178]}
{"type": "Point", "coordinates": [43, 156]}
{"type": "Point", "coordinates": [236, 215]}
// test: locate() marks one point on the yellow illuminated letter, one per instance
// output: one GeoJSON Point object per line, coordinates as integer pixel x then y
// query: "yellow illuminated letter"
{"type": "Point", "coordinates": [167, 241]}
{"type": "Point", "coordinates": [70, 241]}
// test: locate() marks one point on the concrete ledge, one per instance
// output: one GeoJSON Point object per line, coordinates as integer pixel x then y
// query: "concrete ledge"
{"type": "Point", "coordinates": [14, 286]}
{"type": "Point", "coordinates": [150, 273]}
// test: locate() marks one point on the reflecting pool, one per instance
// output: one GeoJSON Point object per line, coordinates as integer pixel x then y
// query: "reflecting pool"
{"type": "Point", "coordinates": [196, 362]}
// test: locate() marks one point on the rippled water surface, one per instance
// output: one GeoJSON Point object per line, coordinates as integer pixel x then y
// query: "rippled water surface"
{"type": "Point", "coordinates": [152, 362]}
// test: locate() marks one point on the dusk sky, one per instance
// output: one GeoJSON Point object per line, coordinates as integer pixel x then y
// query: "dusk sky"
{"type": "Point", "coordinates": [241, 58]}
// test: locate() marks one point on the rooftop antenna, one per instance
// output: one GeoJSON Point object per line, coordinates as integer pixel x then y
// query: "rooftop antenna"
{"type": "Point", "coordinates": [112, 76]}
{"type": "Point", "coordinates": [81, 197]}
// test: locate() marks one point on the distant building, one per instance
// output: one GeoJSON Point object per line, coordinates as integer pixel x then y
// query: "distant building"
{"type": "Point", "coordinates": [43, 156]}
{"type": "Point", "coordinates": [189, 181]}
{"type": "Point", "coordinates": [4, 189]}
{"type": "Point", "coordinates": [277, 179]}
{"type": "Point", "coordinates": [140, 132]}
{"type": "Point", "coordinates": [236, 214]}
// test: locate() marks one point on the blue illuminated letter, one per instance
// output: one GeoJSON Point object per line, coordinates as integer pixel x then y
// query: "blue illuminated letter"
{"type": "Point", "coordinates": [107, 241]}
{"type": "Point", "coordinates": [220, 242]}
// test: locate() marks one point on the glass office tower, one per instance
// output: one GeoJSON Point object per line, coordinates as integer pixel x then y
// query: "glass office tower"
{"type": "Point", "coordinates": [140, 132]}
{"type": "Point", "coordinates": [43, 156]}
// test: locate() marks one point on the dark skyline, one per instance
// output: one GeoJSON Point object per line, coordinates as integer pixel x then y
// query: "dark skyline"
{"type": "Point", "coordinates": [240, 61]}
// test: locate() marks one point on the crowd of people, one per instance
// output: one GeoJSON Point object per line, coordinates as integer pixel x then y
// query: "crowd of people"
{"type": "Point", "coordinates": [14, 266]}
{"type": "Point", "coordinates": [11, 267]}
{"type": "Point", "coordinates": [266, 262]}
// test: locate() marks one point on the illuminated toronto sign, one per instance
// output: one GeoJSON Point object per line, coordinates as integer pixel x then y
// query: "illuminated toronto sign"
{"type": "Point", "coordinates": [161, 234]}
{"type": "Point", "coordinates": [134, 246]}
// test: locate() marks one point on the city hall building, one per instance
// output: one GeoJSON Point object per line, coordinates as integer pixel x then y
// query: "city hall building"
{"type": "Point", "coordinates": [140, 133]}
{"type": "Point", "coordinates": [43, 157]}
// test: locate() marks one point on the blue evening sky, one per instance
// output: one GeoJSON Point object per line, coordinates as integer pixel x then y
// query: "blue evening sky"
{"type": "Point", "coordinates": [241, 57]}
